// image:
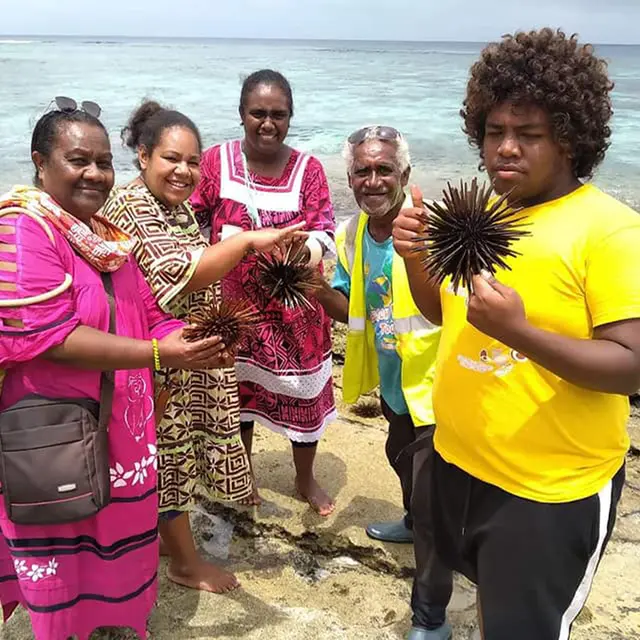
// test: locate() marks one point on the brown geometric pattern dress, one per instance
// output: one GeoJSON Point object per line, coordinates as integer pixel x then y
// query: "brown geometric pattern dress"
{"type": "Point", "coordinates": [200, 451]}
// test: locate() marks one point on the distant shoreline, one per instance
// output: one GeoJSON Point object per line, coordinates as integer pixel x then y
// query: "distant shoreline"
{"type": "Point", "coordinates": [107, 38]}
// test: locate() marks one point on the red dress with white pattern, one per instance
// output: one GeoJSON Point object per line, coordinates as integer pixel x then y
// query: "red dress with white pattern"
{"type": "Point", "coordinates": [284, 368]}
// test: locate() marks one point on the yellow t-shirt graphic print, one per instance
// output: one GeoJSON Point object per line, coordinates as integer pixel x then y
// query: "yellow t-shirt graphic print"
{"type": "Point", "coordinates": [506, 420]}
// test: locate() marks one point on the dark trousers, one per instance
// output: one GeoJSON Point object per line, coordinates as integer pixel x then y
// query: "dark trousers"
{"type": "Point", "coordinates": [433, 582]}
{"type": "Point", "coordinates": [401, 434]}
{"type": "Point", "coordinates": [533, 562]}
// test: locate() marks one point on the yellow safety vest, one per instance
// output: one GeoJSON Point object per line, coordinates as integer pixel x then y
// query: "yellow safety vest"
{"type": "Point", "coordinates": [417, 338]}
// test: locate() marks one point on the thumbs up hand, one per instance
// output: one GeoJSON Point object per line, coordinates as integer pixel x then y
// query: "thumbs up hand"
{"type": "Point", "coordinates": [409, 224]}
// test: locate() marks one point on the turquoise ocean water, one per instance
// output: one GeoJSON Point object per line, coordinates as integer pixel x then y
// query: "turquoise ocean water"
{"type": "Point", "coordinates": [338, 86]}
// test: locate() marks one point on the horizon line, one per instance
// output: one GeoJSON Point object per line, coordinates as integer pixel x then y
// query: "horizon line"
{"type": "Point", "coordinates": [40, 36]}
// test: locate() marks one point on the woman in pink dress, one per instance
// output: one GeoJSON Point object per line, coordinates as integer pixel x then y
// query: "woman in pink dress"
{"type": "Point", "coordinates": [284, 369]}
{"type": "Point", "coordinates": [100, 571]}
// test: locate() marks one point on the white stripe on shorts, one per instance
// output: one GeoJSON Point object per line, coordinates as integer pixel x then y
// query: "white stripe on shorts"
{"type": "Point", "coordinates": [580, 597]}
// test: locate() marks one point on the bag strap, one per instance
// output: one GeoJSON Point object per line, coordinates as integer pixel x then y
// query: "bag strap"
{"type": "Point", "coordinates": [107, 378]}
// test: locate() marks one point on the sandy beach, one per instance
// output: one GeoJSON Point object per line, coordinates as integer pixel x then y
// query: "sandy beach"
{"type": "Point", "coordinates": [305, 577]}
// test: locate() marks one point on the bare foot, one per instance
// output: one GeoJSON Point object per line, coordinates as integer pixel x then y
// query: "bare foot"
{"type": "Point", "coordinates": [254, 500]}
{"type": "Point", "coordinates": [203, 576]}
{"type": "Point", "coordinates": [317, 497]}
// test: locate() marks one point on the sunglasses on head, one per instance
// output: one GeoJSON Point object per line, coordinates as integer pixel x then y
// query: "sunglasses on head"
{"type": "Point", "coordinates": [379, 132]}
{"type": "Point", "coordinates": [69, 105]}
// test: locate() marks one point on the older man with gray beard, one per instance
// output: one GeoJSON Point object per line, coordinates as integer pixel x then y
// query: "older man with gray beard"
{"type": "Point", "coordinates": [390, 345]}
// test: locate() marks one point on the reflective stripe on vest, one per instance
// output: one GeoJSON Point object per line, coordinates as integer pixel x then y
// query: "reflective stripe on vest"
{"type": "Point", "coordinates": [411, 324]}
{"type": "Point", "coordinates": [350, 241]}
{"type": "Point", "coordinates": [417, 338]}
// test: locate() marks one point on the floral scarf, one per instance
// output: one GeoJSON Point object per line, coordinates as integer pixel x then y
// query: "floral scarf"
{"type": "Point", "coordinates": [104, 245]}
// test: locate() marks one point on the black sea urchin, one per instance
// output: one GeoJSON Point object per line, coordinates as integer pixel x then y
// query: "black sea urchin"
{"type": "Point", "coordinates": [289, 280]}
{"type": "Point", "coordinates": [229, 320]}
{"type": "Point", "coordinates": [467, 233]}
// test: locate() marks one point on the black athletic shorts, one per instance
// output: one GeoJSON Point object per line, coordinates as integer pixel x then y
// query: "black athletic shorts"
{"type": "Point", "coordinates": [533, 562]}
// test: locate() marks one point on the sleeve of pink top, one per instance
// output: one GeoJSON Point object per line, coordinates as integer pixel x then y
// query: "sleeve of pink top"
{"type": "Point", "coordinates": [161, 324]}
{"type": "Point", "coordinates": [317, 206]}
{"type": "Point", "coordinates": [31, 265]}
{"type": "Point", "coordinates": [205, 197]}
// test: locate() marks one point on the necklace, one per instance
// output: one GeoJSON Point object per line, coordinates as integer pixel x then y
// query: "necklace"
{"type": "Point", "coordinates": [250, 185]}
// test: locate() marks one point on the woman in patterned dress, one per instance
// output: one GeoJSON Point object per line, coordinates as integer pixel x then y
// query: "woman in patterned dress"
{"type": "Point", "coordinates": [200, 452]}
{"type": "Point", "coordinates": [284, 370]}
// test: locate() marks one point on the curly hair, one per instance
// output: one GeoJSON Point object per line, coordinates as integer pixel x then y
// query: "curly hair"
{"type": "Point", "coordinates": [553, 71]}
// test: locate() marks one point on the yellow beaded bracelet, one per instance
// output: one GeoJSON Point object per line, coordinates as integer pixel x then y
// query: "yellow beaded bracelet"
{"type": "Point", "coordinates": [156, 355]}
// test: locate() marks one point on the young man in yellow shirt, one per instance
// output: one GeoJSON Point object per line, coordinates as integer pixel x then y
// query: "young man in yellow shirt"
{"type": "Point", "coordinates": [535, 363]}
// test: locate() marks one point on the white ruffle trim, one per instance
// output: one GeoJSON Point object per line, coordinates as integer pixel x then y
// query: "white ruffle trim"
{"type": "Point", "coordinates": [305, 386]}
{"type": "Point", "coordinates": [296, 436]}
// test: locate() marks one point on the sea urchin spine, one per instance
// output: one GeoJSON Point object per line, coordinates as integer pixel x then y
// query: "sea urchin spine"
{"type": "Point", "coordinates": [467, 233]}
{"type": "Point", "coordinates": [290, 280]}
{"type": "Point", "coordinates": [230, 320]}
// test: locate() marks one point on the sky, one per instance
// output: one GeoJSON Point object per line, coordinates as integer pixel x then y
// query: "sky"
{"type": "Point", "coordinates": [600, 21]}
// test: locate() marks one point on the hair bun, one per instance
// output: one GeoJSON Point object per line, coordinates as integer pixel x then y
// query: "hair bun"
{"type": "Point", "coordinates": [133, 130]}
